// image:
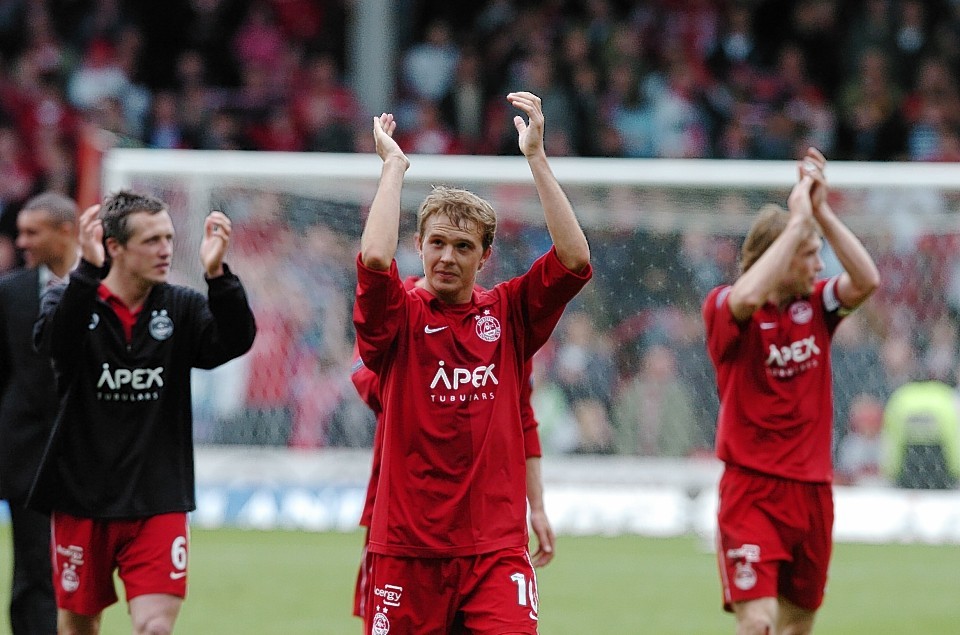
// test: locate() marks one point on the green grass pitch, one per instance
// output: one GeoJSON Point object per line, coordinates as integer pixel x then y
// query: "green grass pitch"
{"type": "Point", "coordinates": [291, 583]}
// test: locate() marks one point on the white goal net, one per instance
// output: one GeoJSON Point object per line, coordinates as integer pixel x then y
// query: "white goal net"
{"type": "Point", "coordinates": [626, 372]}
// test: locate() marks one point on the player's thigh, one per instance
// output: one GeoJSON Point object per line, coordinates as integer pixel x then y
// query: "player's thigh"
{"type": "Point", "coordinates": [501, 596]}
{"type": "Point", "coordinates": [154, 612]}
{"type": "Point", "coordinates": [755, 617]}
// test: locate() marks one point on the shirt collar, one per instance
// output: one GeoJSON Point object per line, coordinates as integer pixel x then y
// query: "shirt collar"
{"type": "Point", "coordinates": [48, 278]}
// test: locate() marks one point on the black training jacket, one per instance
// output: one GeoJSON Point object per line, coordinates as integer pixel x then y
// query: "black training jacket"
{"type": "Point", "coordinates": [122, 442]}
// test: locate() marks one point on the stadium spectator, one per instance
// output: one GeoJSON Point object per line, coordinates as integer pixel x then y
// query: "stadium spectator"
{"type": "Point", "coordinates": [870, 28]}
{"type": "Point", "coordinates": [47, 226]}
{"type": "Point", "coordinates": [856, 369]}
{"type": "Point", "coordinates": [163, 129]}
{"type": "Point", "coordinates": [557, 425]}
{"type": "Point", "coordinates": [860, 451]}
{"type": "Point", "coordinates": [17, 173]}
{"type": "Point", "coordinates": [8, 253]}
{"type": "Point", "coordinates": [117, 473]}
{"type": "Point", "coordinates": [921, 432]}
{"type": "Point", "coordinates": [463, 105]}
{"type": "Point", "coordinates": [769, 340]}
{"type": "Point", "coordinates": [912, 39]}
{"type": "Point", "coordinates": [259, 41]}
{"type": "Point", "coordinates": [585, 372]}
{"type": "Point", "coordinates": [932, 111]}
{"type": "Point", "coordinates": [323, 107]}
{"type": "Point", "coordinates": [653, 410]}
{"type": "Point", "coordinates": [430, 134]}
{"type": "Point", "coordinates": [899, 361]}
{"type": "Point", "coordinates": [98, 77]}
{"type": "Point", "coordinates": [449, 360]}
{"type": "Point", "coordinates": [429, 66]}
{"type": "Point", "coordinates": [735, 46]}
{"type": "Point", "coordinates": [871, 125]}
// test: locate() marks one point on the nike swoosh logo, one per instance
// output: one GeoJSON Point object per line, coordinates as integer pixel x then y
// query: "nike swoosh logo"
{"type": "Point", "coordinates": [429, 329]}
{"type": "Point", "coordinates": [766, 326]}
{"type": "Point", "coordinates": [177, 575]}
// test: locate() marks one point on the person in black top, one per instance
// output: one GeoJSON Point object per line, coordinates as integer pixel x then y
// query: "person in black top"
{"type": "Point", "coordinates": [117, 474]}
{"type": "Point", "coordinates": [47, 234]}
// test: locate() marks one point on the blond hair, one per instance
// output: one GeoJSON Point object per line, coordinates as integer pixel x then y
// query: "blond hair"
{"type": "Point", "coordinates": [463, 208]}
{"type": "Point", "coordinates": [770, 223]}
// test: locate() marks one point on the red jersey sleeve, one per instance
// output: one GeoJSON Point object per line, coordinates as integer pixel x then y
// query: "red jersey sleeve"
{"type": "Point", "coordinates": [379, 312]}
{"type": "Point", "coordinates": [365, 381]}
{"type": "Point", "coordinates": [722, 328]}
{"type": "Point", "coordinates": [546, 290]}
{"type": "Point", "coordinates": [531, 436]}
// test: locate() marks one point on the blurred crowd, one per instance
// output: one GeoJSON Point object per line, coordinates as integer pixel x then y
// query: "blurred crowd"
{"type": "Point", "coordinates": [871, 80]}
{"type": "Point", "coordinates": [863, 80]}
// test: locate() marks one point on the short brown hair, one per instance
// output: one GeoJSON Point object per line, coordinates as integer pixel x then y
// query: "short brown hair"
{"type": "Point", "coordinates": [462, 208]}
{"type": "Point", "coordinates": [117, 208]}
{"type": "Point", "coordinates": [770, 223]}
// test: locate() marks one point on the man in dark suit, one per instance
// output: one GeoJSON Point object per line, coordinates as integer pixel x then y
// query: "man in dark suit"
{"type": "Point", "coordinates": [47, 234]}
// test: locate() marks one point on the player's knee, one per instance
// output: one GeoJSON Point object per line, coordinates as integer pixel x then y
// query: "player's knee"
{"type": "Point", "coordinates": [154, 625]}
{"type": "Point", "coordinates": [754, 625]}
{"type": "Point", "coordinates": [793, 620]}
{"type": "Point", "coordinates": [69, 623]}
{"type": "Point", "coordinates": [801, 626]}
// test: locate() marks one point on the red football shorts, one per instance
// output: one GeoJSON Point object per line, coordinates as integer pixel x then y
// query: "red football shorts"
{"type": "Point", "coordinates": [489, 593]}
{"type": "Point", "coordinates": [774, 539]}
{"type": "Point", "coordinates": [150, 554]}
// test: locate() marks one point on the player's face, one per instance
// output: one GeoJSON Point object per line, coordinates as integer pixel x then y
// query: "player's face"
{"type": "Point", "coordinates": [41, 240]}
{"type": "Point", "coordinates": [806, 266]}
{"type": "Point", "coordinates": [451, 258]}
{"type": "Point", "coordinates": [148, 253]}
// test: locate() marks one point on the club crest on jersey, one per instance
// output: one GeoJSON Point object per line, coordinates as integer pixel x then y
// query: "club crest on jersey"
{"type": "Point", "coordinates": [488, 327]}
{"type": "Point", "coordinates": [801, 312]}
{"type": "Point", "coordinates": [161, 326]}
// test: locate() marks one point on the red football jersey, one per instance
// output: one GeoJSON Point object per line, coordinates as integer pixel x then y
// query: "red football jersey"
{"type": "Point", "coordinates": [367, 386]}
{"type": "Point", "coordinates": [453, 464]}
{"type": "Point", "coordinates": [774, 383]}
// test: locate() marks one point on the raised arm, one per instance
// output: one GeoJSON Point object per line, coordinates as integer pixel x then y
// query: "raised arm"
{"type": "Point", "coordinates": [378, 243]}
{"type": "Point", "coordinates": [860, 277]}
{"type": "Point", "coordinates": [568, 237]}
{"type": "Point", "coordinates": [758, 283]}
{"type": "Point", "coordinates": [216, 239]}
{"type": "Point", "coordinates": [61, 328]}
